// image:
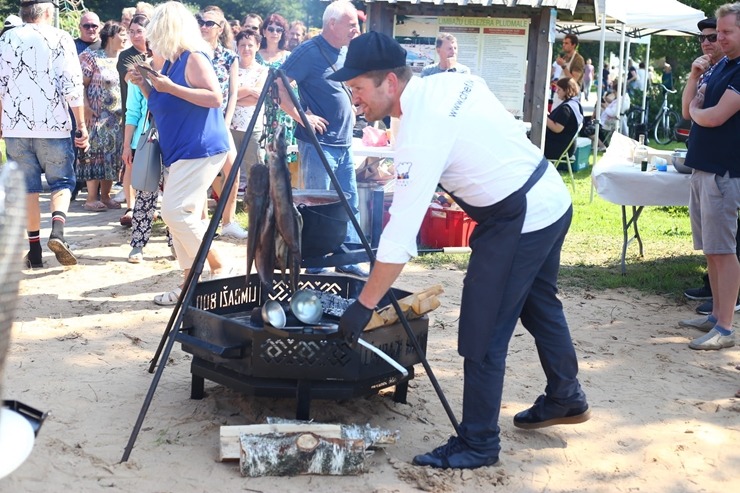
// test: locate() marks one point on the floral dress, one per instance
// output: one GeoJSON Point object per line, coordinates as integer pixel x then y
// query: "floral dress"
{"type": "Point", "coordinates": [281, 117]}
{"type": "Point", "coordinates": [222, 61]}
{"type": "Point", "coordinates": [106, 134]}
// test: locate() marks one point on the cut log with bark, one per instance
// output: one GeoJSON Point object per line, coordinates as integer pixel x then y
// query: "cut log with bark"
{"type": "Point", "coordinates": [413, 306]}
{"type": "Point", "coordinates": [229, 435]}
{"type": "Point", "coordinates": [300, 453]}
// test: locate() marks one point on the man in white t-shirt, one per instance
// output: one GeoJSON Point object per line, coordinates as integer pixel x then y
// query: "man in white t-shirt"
{"type": "Point", "coordinates": [469, 144]}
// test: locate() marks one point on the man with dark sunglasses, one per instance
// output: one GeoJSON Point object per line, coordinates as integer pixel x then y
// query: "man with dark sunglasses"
{"type": "Point", "coordinates": [89, 32]}
{"type": "Point", "coordinates": [711, 54]}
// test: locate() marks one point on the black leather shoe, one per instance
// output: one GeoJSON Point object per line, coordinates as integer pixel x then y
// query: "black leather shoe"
{"type": "Point", "coordinates": [545, 412]}
{"type": "Point", "coordinates": [455, 454]}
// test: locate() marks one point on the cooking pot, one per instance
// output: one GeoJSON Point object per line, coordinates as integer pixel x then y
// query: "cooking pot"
{"type": "Point", "coordinates": [324, 221]}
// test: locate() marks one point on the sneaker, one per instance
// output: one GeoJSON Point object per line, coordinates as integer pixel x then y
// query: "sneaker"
{"type": "Point", "coordinates": [136, 255]}
{"type": "Point", "coordinates": [546, 412]}
{"type": "Point", "coordinates": [703, 324]}
{"type": "Point", "coordinates": [707, 307]}
{"type": "Point", "coordinates": [233, 230]}
{"type": "Point", "coordinates": [31, 265]}
{"type": "Point", "coordinates": [455, 454]}
{"type": "Point", "coordinates": [713, 340]}
{"type": "Point", "coordinates": [354, 269]}
{"type": "Point", "coordinates": [61, 250]}
{"type": "Point", "coordinates": [702, 293]}
{"type": "Point", "coordinates": [120, 197]}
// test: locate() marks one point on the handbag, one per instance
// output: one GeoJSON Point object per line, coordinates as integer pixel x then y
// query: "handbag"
{"type": "Point", "coordinates": [147, 166]}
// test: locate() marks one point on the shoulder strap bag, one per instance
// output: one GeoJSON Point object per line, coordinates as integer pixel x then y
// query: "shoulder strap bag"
{"type": "Point", "coordinates": [147, 166]}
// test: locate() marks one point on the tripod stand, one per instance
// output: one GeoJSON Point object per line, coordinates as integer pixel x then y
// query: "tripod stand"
{"type": "Point", "coordinates": [188, 292]}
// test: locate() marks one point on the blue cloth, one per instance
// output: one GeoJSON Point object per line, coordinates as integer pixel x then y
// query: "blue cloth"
{"type": "Point", "coordinates": [315, 176]}
{"type": "Point", "coordinates": [712, 149]}
{"type": "Point", "coordinates": [186, 130]}
{"type": "Point", "coordinates": [309, 65]}
{"type": "Point", "coordinates": [136, 110]}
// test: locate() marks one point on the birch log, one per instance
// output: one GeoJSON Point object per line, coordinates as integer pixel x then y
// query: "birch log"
{"type": "Point", "coordinates": [300, 453]}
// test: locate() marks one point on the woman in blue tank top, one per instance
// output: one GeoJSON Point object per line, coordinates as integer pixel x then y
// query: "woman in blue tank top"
{"type": "Point", "coordinates": [185, 100]}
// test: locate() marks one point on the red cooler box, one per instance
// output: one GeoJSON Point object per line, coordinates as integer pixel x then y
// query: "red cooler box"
{"type": "Point", "coordinates": [446, 228]}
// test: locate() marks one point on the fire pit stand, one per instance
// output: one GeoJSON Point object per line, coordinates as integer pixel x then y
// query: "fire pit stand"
{"type": "Point", "coordinates": [230, 347]}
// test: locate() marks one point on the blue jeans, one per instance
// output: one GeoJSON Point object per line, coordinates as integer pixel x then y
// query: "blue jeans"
{"type": "Point", "coordinates": [530, 295]}
{"type": "Point", "coordinates": [54, 157]}
{"type": "Point", "coordinates": [315, 176]}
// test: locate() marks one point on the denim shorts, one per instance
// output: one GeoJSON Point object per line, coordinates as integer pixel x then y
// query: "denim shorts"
{"type": "Point", "coordinates": [55, 157]}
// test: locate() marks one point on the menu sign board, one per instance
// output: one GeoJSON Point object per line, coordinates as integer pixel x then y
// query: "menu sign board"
{"type": "Point", "coordinates": [493, 48]}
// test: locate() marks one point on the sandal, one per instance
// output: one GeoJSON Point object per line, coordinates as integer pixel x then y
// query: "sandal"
{"type": "Point", "coordinates": [111, 204]}
{"type": "Point", "coordinates": [96, 206]}
{"type": "Point", "coordinates": [168, 299]}
{"type": "Point", "coordinates": [136, 255]}
{"type": "Point", "coordinates": [127, 219]}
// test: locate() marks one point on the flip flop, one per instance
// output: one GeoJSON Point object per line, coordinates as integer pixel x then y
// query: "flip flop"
{"type": "Point", "coordinates": [168, 299]}
{"type": "Point", "coordinates": [96, 206]}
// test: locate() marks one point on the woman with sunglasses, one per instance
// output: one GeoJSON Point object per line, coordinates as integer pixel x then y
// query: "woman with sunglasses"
{"type": "Point", "coordinates": [102, 162]}
{"type": "Point", "coordinates": [217, 33]}
{"type": "Point", "coordinates": [273, 54]}
{"type": "Point", "coordinates": [185, 100]}
{"type": "Point", "coordinates": [136, 52]}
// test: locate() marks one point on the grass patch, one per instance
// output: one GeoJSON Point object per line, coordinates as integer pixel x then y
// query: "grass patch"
{"type": "Point", "coordinates": [592, 250]}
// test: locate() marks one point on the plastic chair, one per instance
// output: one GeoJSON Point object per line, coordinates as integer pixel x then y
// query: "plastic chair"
{"type": "Point", "coordinates": [567, 158]}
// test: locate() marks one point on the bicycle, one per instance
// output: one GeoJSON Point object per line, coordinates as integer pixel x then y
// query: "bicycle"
{"type": "Point", "coordinates": [663, 128]}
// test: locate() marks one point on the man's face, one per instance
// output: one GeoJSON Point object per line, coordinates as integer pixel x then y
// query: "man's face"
{"type": "Point", "coordinates": [728, 36]}
{"type": "Point", "coordinates": [568, 46]}
{"type": "Point", "coordinates": [89, 28]}
{"type": "Point", "coordinates": [448, 49]}
{"type": "Point", "coordinates": [253, 24]}
{"type": "Point", "coordinates": [709, 47]}
{"type": "Point", "coordinates": [296, 35]}
{"type": "Point", "coordinates": [375, 102]}
{"type": "Point", "coordinates": [346, 28]}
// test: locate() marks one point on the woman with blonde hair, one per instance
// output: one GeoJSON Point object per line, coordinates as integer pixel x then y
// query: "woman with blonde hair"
{"type": "Point", "coordinates": [185, 100]}
{"type": "Point", "coordinates": [217, 33]}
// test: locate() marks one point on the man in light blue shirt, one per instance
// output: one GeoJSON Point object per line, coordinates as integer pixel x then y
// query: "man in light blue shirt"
{"type": "Point", "coordinates": [446, 47]}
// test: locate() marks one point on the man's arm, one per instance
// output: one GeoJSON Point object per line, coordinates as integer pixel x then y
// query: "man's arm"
{"type": "Point", "coordinates": [286, 103]}
{"type": "Point", "coordinates": [698, 67]}
{"type": "Point", "coordinates": [716, 115]}
{"type": "Point", "coordinates": [81, 136]}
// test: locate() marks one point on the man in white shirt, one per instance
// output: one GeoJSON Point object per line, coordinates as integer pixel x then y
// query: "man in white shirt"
{"type": "Point", "coordinates": [40, 80]}
{"type": "Point", "coordinates": [469, 144]}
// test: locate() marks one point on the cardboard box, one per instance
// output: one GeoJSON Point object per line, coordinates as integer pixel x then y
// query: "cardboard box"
{"type": "Point", "coordinates": [583, 152]}
{"type": "Point", "coordinates": [446, 228]}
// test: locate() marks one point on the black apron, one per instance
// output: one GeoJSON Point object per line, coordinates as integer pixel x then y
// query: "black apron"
{"type": "Point", "coordinates": [496, 238]}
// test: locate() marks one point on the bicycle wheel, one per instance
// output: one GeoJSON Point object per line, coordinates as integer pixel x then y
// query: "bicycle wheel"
{"type": "Point", "coordinates": [665, 126]}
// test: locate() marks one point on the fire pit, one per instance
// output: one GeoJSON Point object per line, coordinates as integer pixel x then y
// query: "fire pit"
{"type": "Point", "coordinates": [230, 349]}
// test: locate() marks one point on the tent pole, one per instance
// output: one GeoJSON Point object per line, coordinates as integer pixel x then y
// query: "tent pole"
{"type": "Point", "coordinates": [599, 94]}
{"type": "Point", "coordinates": [620, 84]}
{"type": "Point", "coordinates": [644, 83]}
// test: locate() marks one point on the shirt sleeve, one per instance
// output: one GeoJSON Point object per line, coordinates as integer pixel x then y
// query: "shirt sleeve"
{"type": "Point", "coordinates": [419, 167]}
{"type": "Point", "coordinates": [562, 114]}
{"type": "Point", "coordinates": [133, 105]}
{"type": "Point", "coordinates": [67, 67]}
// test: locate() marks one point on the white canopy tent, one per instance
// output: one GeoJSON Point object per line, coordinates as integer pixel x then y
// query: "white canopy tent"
{"type": "Point", "coordinates": [640, 18]}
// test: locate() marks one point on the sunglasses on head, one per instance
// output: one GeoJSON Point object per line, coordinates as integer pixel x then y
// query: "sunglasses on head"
{"type": "Point", "coordinates": [712, 38]}
{"type": "Point", "coordinates": [276, 29]}
{"type": "Point", "coordinates": [90, 26]}
{"type": "Point", "coordinates": [208, 24]}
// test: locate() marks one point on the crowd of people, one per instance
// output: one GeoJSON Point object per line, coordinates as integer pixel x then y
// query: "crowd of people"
{"type": "Point", "coordinates": [103, 107]}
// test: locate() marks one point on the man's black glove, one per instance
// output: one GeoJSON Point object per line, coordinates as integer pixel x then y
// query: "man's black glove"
{"type": "Point", "coordinates": [353, 321]}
